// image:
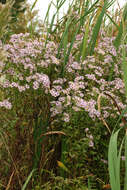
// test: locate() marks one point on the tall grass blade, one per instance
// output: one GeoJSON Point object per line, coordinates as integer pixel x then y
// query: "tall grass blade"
{"type": "Point", "coordinates": [47, 13]}
{"type": "Point", "coordinates": [57, 6]}
{"type": "Point", "coordinates": [118, 165]}
{"type": "Point", "coordinates": [81, 22]}
{"type": "Point", "coordinates": [110, 3]}
{"type": "Point", "coordinates": [125, 180]}
{"type": "Point", "coordinates": [65, 42]}
{"type": "Point", "coordinates": [34, 4]}
{"type": "Point", "coordinates": [87, 11]}
{"type": "Point", "coordinates": [28, 179]}
{"type": "Point", "coordinates": [124, 67]}
{"type": "Point", "coordinates": [114, 161]}
{"type": "Point", "coordinates": [64, 36]}
{"type": "Point", "coordinates": [118, 39]}
{"type": "Point", "coordinates": [119, 36]}
{"type": "Point", "coordinates": [85, 39]}
{"type": "Point", "coordinates": [52, 23]}
{"type": "Point", "coordinates": [92, 8]}
{"type": "Point", "coordinates": [69, 49]}
{"type": "Point", "coordinates": [112, 157]}
{"type": "Point", "coordinates": [112, 20]}
{"type": "Point", "coordinates": [39, 128]}
{"type": "Point", "coordinates": [96, 29]}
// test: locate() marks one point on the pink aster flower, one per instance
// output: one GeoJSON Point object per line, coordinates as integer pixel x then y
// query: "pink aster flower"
{"type": "Point", "coordinates": [66, 117]}
{"type": "Point", "coordinates": [6, 104]}
{"type": "Point", "coordinates": [35, 85]}
{"type": "Point", "coordinates": [91, 76]}
{"type": "Point", "coordinates": [76, 66]}
{"type": "Point", "coordinates": [54, 93]}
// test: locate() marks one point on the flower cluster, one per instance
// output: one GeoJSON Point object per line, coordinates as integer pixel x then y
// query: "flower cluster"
{"type": "Point", "coordinates": [27, 64]}
{"type": "Point", "coordinates": [102, 73]}
{"type": "Point", "coordinates": [6, 104]}
{"type": "Point", "coordinates": [32, 67]}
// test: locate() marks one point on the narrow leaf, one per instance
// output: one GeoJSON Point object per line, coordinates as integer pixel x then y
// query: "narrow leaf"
{"type": "Point", "coordinates": [125, 180]}
{"type": "Point", "coordinates": [96, 29]}
{"type": "Point", "coordinates": [28, 179]}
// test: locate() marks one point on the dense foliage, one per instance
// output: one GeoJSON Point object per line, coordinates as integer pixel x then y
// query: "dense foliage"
{"type": "Point", "coordinates": [61, 93]}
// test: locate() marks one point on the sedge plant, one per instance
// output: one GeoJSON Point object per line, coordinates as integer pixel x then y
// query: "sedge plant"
{"type": "Point", "coordinates": [114, 157]}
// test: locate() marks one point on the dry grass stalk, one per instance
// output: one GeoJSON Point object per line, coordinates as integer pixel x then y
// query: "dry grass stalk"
{"type": "Point", "coordinates": [10, 179]}
{"type": "Point", "coordinates": [99, 109]}
{"type": "Point", "coordinates": [7, 148]}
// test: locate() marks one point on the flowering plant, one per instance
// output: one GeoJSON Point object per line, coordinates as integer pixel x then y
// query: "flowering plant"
{"type": "Point", "coordinates": [32, 87]}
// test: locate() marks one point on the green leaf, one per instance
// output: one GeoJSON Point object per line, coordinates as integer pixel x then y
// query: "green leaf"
{"type": "Point", "coordinates": [85, 39]}
{"type": "Point", "coordinates": [28, 179]}
{"type": "Point", "coordinates": [125, 180]}
{"type": "Point", "coordinates": [114, 161]}
{"type": "Point", "coordinates": [96, 29]}
{"type": "Point", "coordinates": [118, 39]}
{"type": "Point", "coordinates": [34, 4]}
{"type": "Point", "coordinates": [124, 67]}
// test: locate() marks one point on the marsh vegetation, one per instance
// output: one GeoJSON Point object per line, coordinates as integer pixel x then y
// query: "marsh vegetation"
{"type": "Point", "coordinates": [63, 97]}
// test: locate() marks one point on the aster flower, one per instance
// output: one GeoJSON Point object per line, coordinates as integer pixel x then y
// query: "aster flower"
{"type": "Point", "coordinates": [6, 104]}
{"type": "Point", "coordinates": [54, 93]}
{"type": "Point", "coordinates": [66, 117]}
